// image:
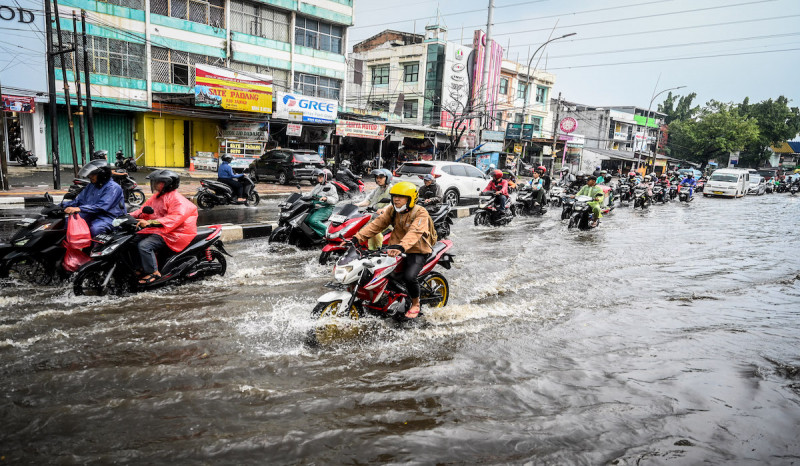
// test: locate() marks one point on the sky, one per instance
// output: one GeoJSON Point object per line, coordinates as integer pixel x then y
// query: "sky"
{"type": "Point", "coordinates": [619, 55]}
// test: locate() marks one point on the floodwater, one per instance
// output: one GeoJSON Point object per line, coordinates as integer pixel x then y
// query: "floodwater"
{"type": "Point", "coordinates": [665, 336]}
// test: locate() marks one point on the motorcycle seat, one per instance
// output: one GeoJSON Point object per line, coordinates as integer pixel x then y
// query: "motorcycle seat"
{"type": "Point", "coordinates": [437, 248]}
{"type": "Point", "coordinates": [202, 234]}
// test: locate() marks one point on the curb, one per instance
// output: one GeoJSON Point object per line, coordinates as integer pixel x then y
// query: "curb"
{"type": "Point", "coordinates": [27, 201]}
{"type": "Point", "coordinates": [232, 233]}
{"type": "Point", "coordinates": [461, 212]}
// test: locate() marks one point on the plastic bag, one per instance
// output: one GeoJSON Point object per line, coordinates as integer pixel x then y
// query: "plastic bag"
{"type": "Point", "coordinates": [78, 235]}
{"type": "Point", "coordinates": [74, 259]}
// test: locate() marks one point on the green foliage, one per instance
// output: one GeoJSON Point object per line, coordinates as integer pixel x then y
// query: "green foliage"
{"type": "Point", "coordinates": [777, 123]}
{"type": "Point", "coordinates": [680, 112]}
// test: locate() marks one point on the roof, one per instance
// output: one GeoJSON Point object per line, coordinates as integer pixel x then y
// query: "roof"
{"type": "Point", "coordinates": [795, 145]}
{"type": "Point", "coordinates": [784, 148]}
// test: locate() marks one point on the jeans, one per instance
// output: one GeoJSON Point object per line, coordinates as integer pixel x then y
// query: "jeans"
{"type": "Point", "coordinates": [500, 202]}
{"type": "Point", "coordinates": [148, 246]}
{"type": "Point", "coordinates": [413, 264]}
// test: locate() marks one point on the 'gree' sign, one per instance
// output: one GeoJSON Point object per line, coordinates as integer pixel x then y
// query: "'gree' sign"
{"type": "Point", "coordinates": [18, 14]}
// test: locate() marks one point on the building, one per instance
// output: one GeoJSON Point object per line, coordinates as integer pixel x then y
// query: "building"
{"type": "Point", "coordinates": [144, 60]}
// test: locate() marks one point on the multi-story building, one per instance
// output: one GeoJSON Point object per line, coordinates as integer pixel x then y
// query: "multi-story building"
{"type": "Point", "coordinates": [144, 54]}
{"type": "Point", "coordinates": [525, 99]}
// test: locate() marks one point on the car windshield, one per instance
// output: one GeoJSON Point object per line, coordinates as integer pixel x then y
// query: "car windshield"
{"type": "Point", "coordinates": [415, 169]}
{"type": "Point", "coordinates": [307, 157]}
{"type": "Point", "coordinates": [724, 178]}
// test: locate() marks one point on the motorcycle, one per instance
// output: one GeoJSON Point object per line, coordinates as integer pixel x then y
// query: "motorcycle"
{"type": "Point", "coordinates": [660, 194]}
{"type": "Point", "coordinates": [581, 214]}
{"type": "Point", "coordinates": [640, 198]}
{"type": "Point", "coordinates": [131, 192]}
{"type": "Point", "coordinates": [125, 163]}
{"type": "Point", "coordinates": [685, 194]}
{"type": "Point", "coordinates": [701, 184]}
{"type": "Point", "coordinates": [525, 203]}
{"type": "Point", "coordinates": [365, 282]}
{"type": "Point", "coordinates": [441, 219]}
{"type": "Point", "coordinates": [292, 226]}
{"type": "Point", "coordinates": [673, 191]}
{"type": "Point", "coordinates": [35, 251]}
{"type": "Point", "coordinates": [24, 157]}
{"type": "Point", "coordinates": [115, 257]}
{"type": "Point", "coordinates": [625, 192]}
{"type": "Point", "coordinates": [770, 187]}
{"type": "Point", "coordinates": [488, 214]}
{"type": "Point", "coordinates": [555, 195]}
{"type": "Point", "coordinates": [782, 187]}
{"type": "Point", "coordinates": [213, 193]}
{"type": "Point", "coordinates": [794, 188]}
{"type": "Point", "coordinates": [344, 192]}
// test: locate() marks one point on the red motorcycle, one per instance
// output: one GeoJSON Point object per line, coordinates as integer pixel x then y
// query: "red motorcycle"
{"type": "Point", "coordinates": [345, 222]}
{"type": "Point", "coordinates": [344, 192]}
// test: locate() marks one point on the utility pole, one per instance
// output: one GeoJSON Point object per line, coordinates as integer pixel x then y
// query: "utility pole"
{"type": "Point", "coordinates": [485, 80]}
{"type": "Point", "coordinates": [87, 81]}
{"type": "Point", "coordinates": [3, 160]}
{"type": "Point", "coordinates": [76, 70]}
{"type": "Point", "coordinates": [64, 79]}
{"type": "Point", "coordinates": [51, 90]}
{"type": "Point", "coordinates": [555, 128]}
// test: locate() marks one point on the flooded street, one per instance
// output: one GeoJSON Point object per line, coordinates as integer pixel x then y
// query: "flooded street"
{"type": "Point", "coordinates": [670, 335]}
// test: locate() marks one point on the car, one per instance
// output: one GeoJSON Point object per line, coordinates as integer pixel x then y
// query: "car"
{"type": "Point", "coordinates": [758, 185]}
{"type": "Point", "coordinates": [729, 182]}
{"type": "Point", "coordinates": [685, 171]}
{"type": "Point", "coordinates": [286, 166]}
{"type": "Point", "coordinates": [459, 181]}
{"type": "Point", "coordinates": [768, 173]}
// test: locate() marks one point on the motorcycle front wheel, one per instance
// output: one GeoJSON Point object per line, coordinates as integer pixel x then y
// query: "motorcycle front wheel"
{"type": "Point", "coordinates": [204, 201]}
{"type": "Point", "coordinates": [136, 197]}
{"type": "Point", "coordinates": [481, 218]}
{"type": "Point", "coordinates": [91, 281]}
{"type": "Point", "coordinates": [253, 199]}
{"type": "Point", "coordinates": [337, 329]}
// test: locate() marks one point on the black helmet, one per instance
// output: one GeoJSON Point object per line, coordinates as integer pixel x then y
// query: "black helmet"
{"type": "Point", "coordinates": [96, 167]}
{"type": "Point", "coordinates": [227, 158]}
{"type": "Point", "coordinates": [170, 179]}
{"type": "Point", "coordinates": [100, 155]}
{"type": "Point", "coordinates": [581, 175]}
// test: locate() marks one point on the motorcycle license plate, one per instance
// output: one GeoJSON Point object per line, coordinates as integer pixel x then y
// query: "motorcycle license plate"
{"type": "Point", "coordinates": [102, 239]}
{"type": "Point", "coordinates": [338, 218]}
{"type": "Point", "coordinates": [718, 192]}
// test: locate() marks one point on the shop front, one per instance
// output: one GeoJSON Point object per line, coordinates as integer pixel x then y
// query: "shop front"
{"type": "Point", "coordinates": [164, 140]}
{"type": "Point", "coordinates": [24, 125]}
{"type": "Point", "coordinates": [362, 143]}
{"type": "Point", "coordinates": [113, 131]}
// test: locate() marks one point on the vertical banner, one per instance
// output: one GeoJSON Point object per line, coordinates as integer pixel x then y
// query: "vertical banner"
{"type": "Point", "coordinates": [491, 88]}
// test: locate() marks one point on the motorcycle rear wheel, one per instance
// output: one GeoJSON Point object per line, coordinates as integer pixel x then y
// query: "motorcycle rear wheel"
{"type": "Point", "coordinates": [204, 201]}
{"type": "Point", "coordinates": [89, 281]}
{"type": "Point", "coordinates": [436, 283]}
{"type": "Point", "coordinates": [30, 269]}
{"type": "Point", "coordinates": [136, 197]}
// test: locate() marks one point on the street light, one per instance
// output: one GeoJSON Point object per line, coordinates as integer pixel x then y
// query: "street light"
{"type": "Point", "coordinates": [528, 77]}
{"type": "Point", "coordinates": [647, 120]}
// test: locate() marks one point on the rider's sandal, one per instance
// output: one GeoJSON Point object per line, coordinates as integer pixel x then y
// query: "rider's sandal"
{"type": "Point", "coordinates": [412, 315]}
{"type": "Point", "coordinates": [148, 279]}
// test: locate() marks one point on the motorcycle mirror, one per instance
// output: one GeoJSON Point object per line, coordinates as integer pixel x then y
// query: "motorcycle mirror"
{"type": "Point", "coordinates": [385, 199]}
{"type": "Point", "coordinates": [148, 210]}
{"type": "Point", "coordinates": [298, 186]}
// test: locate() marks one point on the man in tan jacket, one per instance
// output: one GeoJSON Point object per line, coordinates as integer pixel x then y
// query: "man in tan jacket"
{"type": "Point", "coordinates": [411, 235]}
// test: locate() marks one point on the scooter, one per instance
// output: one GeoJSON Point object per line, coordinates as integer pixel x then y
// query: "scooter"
{"type": "Point", "coordinates": [131, 192]}
{"type": "Point", "coordinates": [292, 226]}
{"type": "Point", "coordinates": [685, 194]}
{"type": "Point", "coordinates": [34, 252]}
{"type": "Point", "coordinates": [581, 215]}
{"type": "Point", "coordinates": [660, 194]}
{"type": "Point", "coordinates": [488, 213]}
{"type": "Point", "coordinates": [625, 192]}
{"type": "Point", "coordinates": [213, 193]}
{"type": "Point", "coordinates": [344, 192]}
{"type": "Point", "coordinates": [525, 203]}
{"type": "Point", "coordinates": [365, 282]}
{"type": "Point", "coordinates": [441, 219]}
{"type": "Point", "coordinates": [640, 198]}
{"type": "Point", "coordinates": [125, 163]}
{"type": "Point", "coordinates": [24, 157]}
{"type": "Point", "coordinates": [115, 258]}
{"type": "Point", "coordinates": [794, 188]}
{"type": "Point", "coordinates": [701, 184]}
{"type": "Point", "coordinates": [673, 191]}
{"type": "Point", "coordinates": [556, 195]}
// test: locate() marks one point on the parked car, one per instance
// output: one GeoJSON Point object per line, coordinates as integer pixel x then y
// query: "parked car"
{"type": "Point", "coordinates": [286, 166]}
{"type": "Point", "coordinates": [685, 171]}
{"type": "Point", "coordinates": [459, 181]}
{"type": "Point", "coordinates": [758, 185]}
{"type": "Point", "coordinates": [731, 182]}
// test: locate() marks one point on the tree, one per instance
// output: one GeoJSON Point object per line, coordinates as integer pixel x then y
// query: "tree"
{"type": "Point", "coordinates": [777, 123]}
{"type": "Point", "coordinates": [718, 130]}
{"type": "Point", "coordinates": [680, 112]}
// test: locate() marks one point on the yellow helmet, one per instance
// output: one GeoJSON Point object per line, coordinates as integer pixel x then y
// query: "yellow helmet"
{"type": "Point", "coordinates": [405, 188]}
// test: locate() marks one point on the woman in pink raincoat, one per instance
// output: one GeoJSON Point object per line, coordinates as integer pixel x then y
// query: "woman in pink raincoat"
{"type": "Point", "coordinates": [174, 219]}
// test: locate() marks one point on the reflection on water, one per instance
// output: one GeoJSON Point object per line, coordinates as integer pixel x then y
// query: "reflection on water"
{"type": "Point", "coordinates": [663, 335]}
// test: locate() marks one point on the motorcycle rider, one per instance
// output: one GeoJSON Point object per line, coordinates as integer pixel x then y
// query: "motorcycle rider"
{"type": "Point", "coordinates": [490, 169]}
{"type": "Point", "coordinates": [542, 170]}
{"type": "Point", "coordinates": [580, 181]}
{"type": "Point", "coordinates": [632, 180]}
{"type": "Point", "coordinates": [430, 195]}
{"type": "Point", "coordinates": [324, 197]}
{"type": "Point", "coordinates": [537, 184]}
{"type": "Point", "coordinates": [566, 178]}
{"type": "Point", "coordinates": [647, 184]}
{"type": "Point", "coordinates": [383, 178]}
{"type": "Point", "coordinates": [174, 217]}
{"type": "Point", "coordinates": [411, 224]}
{"type": "Point", "coordinates": [347, 177]}
{"type": "Point", "coordinates": [689, 181]}
{"type": "Point", "coordinates": [498, 186]}
{"type": "Point", "coordinates": [101, 201]}
{"type": "Point", "coordinates": [605, 180]}
{"type": "Point", "coordinates": [596, 193]}
{"type": "Point", "coordinates": [225, 175]}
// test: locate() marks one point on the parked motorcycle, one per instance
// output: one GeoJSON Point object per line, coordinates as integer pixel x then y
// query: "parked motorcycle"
{"type": "Point", "coordinates": [488, 214]}
{"type": "Point", "coordinates": [640, 198]}
{"type": "Point", "coordinates": [581, 214]}
{"type": "Point", "coordinates": [131, 192]}
{"type": "Point", "coordinates": [24, 157]}
{"type": "Point", "coordinates": [685, 194]}
{"type": "Point", "coordinates": [365, 283]}
{"type": "Point", "coordinates": [292, 226]}
{"type": "Point", "coordinates": [526, 204]}
{"type": "Point", "coordinates": [115, 258]}
{"type": "Point", "coordinates": [35, 251]}
{"type": "Point", "coordinates": [125, 163]}
{"type": "Point", "coordinates": [213, 193]}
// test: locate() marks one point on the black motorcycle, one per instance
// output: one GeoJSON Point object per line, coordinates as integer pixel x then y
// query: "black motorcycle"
{"type": "Point", "coordinates": [292, 226]}
{"type": "Point", "coordinates": [794, 188]}
{"type": "Point", "coordinates": [640, 197]}
{"type": "Point", "coordinates": [115, 258]}
{"type": "Point", "coordinates": [526, 204]}
{"type": "Point", "coordinates": [488, 212]}
{"type": "Point", "coordinates": [24, 157]}
{"type": "Point", "coordinates": [581, 214]}
{"type": "Point", "coordinates": [625, 192]}
{"type": "Point", "coordinates": [440, 214]}
{"type": "Point", "coordinates": [673, 191]}
{"type": "Point", "coordinates": [660, 194]}
{"type": "Point", "coordinates": [35, 251]}
{"type": "Point", "coordinates": [213, 193]}
{"type": "Point", "coordinates": [131, 192]}
{"type": "Point", "coordinates": [125, 163]}
{"type": "Point", "coordinates": [782, 187]}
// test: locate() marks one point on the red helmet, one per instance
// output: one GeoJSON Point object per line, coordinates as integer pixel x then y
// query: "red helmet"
{"type": "Point", "coordinates": [542, 169]}
{"type": "Point", "coordinates": [632, 174]}
{"type": "Point", "coordinates": [497, 174]}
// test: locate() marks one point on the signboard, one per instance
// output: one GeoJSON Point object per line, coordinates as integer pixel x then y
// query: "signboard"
{"type": "Point", "coordinates": [620, 135]}
{"type": "Point", "coordinates": [221, 88]}
{"type": "Point", "coordinates": [294, 129]}
{"type": "Point", "coordinates": [616, 115]}
{"type": "Point", "coordinates": [246, 131]}
{"type": "Point", "coordinates": [529, 131]}
{"type": "Point", "coordinates": [299, 107]}
{"type": "Point", "coordinates": [455, 85]}
{"type": "Point", "coordinates": [446, 120]}
{"type": "Point", "coordinates": [568, 125]}
{"type": "Point", "coordinates": [13, 103]}
{"type": "Point", "coordinates": [357, 129]}
{"type": "Point", "coordinates": [573, 140]}
{"type": "Point", "coordinates": [205, 161]}
{"type": "Point", "coordinates": [490, 88]}
{"type": "Point", "coordinates": [514, 131]}
{"type": "Point", "coordinates": [517, 148]}
{"type": "Point", "coordinates": [494, 136]}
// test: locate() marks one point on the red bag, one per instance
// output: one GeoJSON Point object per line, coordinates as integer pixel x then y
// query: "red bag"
{"type": "Point", "coordinates": [74, 259]}
{"type": "Point", "coordinates": [78, 235]}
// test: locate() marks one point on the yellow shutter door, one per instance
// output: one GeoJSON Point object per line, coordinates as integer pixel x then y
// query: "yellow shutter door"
{"type": "Point", "coordinates": [177, 144]}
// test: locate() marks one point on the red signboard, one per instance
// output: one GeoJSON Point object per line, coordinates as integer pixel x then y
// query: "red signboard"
{"type": "Point", "coordinates": [13, 103]}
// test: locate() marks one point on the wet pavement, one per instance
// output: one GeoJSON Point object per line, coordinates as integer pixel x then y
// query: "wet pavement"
{"type": "Point", "coordinates": [669, 335]}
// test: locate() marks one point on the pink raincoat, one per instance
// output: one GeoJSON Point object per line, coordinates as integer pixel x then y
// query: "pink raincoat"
{"type": "Point", "coordinates": [177, 216]}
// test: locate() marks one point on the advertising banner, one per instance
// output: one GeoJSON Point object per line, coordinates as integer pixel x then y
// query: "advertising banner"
{"type": "Point", "coordinates": [491, 88]}
{"type": "Point", "coordinates": [514, 131]}
{"type": "Point", "coordinates": [357, 129]}
{"type": "Point", "coordinates": [13, 103]}
{"type": "Point", "coordinates": [293, 129]}
{"type": "Point", "coordinates": [246, 131]}
{"type": "Point", "coordinates": [455, 85]}
{"type": "Point", "coordinates": [299, 107]}
{"type": "Point", "coordinates": [221, 88]}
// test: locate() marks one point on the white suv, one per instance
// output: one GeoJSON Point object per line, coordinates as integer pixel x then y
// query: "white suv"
{"type": "Point", "coordinates": [459, 181]}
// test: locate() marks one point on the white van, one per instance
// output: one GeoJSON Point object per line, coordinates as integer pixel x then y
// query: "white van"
{"type": "Point", "coordinates": [730, 182]}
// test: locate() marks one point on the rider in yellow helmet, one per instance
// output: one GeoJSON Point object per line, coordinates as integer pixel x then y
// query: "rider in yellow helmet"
{"type": "Point", "coordinates": [411, 235]}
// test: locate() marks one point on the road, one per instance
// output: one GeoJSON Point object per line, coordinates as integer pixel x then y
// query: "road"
{"type": "Point", "coordinates": [669, 335]}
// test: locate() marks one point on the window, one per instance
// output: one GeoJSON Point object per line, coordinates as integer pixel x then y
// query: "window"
{"type": "Point", "coordinates": [258, 20]}
{"type": "Point", "coordinates": [317, 86]}
{"type": "Point", "coordinates": [474, 172]}
{"type": "Point", "coordinates": [518, 118]}
{"type": "Point", "coordinates": [211, 12]}
{"type": "Point", "coordinates": [379, 105]}
{"type": "Point", "coordinates": [537, 124]}
{"type": "Point", "coordinates": [110, 57]}
{"type": "Point", "coordinates": [503, 86]}
{"type": "Point", "coordinates": [410, 108]}
{"type": "Point", "coordinates": [541, 94]}
{"type": "Point", "coordinates": [135, 4]}
{"type": "Point", "coordinates": [458, 170]}
{"type": "Point", "coordinates": [174, 67]}
{"type": "Point", "coordinates": [318, 35]}
{"type": "Point", "coordinates": [522, 90]}
{"type": "Point", "coordinates": [380, 75]}
{"type": "Point", "coordinates": [411, 72]}
{"type": "Point", "coordinates": [280, 78]}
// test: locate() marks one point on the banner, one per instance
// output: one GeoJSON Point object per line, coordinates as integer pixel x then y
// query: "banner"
{"type": "Point", "coordinates": [245, 131]}
{"type": "Point", "coordinates": [294, 129]}
{"type": "Point", "coordinates": [358, 129]}
{"type": "Point", "coordinates": [491, 88]}
{"type": "Point", "coordinates": [221, 88]}
{"type": "Point", "coordinates": [299, 107]}
{"type": "Point", "coordinates": [13, 103]}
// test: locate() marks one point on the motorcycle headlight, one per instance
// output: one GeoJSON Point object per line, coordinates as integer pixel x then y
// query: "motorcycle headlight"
{"type": "Point", "coordinates": [46, 226]}
{"type": "Point", "coordinates": [340, 273]}
{"type": "Point", "coordinates": [105, 251]}
{"type": "Point", "coordinates": [21, 242]}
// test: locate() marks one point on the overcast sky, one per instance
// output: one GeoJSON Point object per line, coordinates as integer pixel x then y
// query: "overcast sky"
{"type": "Point", "coordinates": [614, 33]}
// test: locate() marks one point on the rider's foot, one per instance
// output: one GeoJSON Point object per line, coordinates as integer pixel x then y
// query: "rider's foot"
{"type": "Point", "coordinates": [413, 311]}
{"type": "Point", "coordinates": [148, 279]}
